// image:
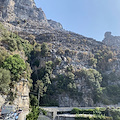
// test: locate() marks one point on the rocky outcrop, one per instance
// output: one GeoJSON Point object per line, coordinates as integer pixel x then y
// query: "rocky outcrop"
{"type": "Point", "coordinates": [67, 101]}
{"type": "Point", "coordinates": [22, 95]}
{"type": "Point", "coordinates": [24, 16]}
{"type": "Point", "coordinates": [13, 10]}
{"type": "Point", "coordinates": [21, 99]}
{"type": "Point", "coordinates": [55, 25]}
{"type": "Point", "coordinates": [2, 100]}
{"type": "Point", "coordinates": [110, 40]}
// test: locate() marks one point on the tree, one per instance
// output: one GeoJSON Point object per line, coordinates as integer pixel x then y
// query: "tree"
{"type": "Point", "coordinates": [33, 100]}
{"type": "Point", "coordinates": [70, 69]}
{"type": "Point", "coordinates": [32, 39]}
{"type": "Point", "coordinates": [27, 74]}
{"type": "Point", "coordinates": [46, 79]}
{"type": "Point", "coordinates": [92, 62]}
{"type": "Point", "coordinates": [16, 65]}
{"type": "Point", "coordinates": [49, 67]}
{"type": "Point", "coordinates": [93, 79]}
{"type": "Point", "coordinates": [44, 49]}
{"type": "Point", "coordinates": [40, 88]}
{"type": "Point", "coordinates": [3, 56]}
{"type": "Point", "coordinates": [4, 80]}
{"type": "Point", "coordinates": [33, 115]}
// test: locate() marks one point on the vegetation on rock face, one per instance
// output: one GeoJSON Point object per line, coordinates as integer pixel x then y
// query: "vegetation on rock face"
{"type": "Point", "coordinates": [93, 79]}
{"type": "Point", "coordinates": [5, 79]}
{"type": "Point", "coordinates": [92, 62]}
{"type": "Point", "coordinates": [58, 67]}
{"type": "Point", "coordinates": [14, 52]}
{"type": "Point", "coordinates": [33, 100]}
{"type": "Point", "coordinates": [60, 63]}
{"type": "Point", "coordinates": [44, 50]}
{"type": "Point", "coordinates": [16, 65]}
{"type": "Point", "coordinates": [103, 56]}
{"type": "Point", "coordinates": [65, 82]}
{"type": "Point", "coordinates": [111, 94]}
{"type": "Point", "coordinates": [3, 55]}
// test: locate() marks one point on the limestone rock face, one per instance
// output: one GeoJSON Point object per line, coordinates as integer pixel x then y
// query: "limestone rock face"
{"type": "Point", "coordinates": [22, 96]}
{"type": "Point", "coordinates": [21, 9]}
{"type": "Point", "coordinates": [111, 40]}
{"type": "Point", "coordinates": [66, 101]}
{"type": "Point", "coordinates": [55, 25]}
{"type": "Point", "coordinates": [22, 99]}
{"type": "Point", "coordinates": [24, 16]}
{"type": "Point", "coordinates": [2, 100]}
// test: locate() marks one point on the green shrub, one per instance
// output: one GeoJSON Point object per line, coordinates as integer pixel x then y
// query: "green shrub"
{"type": "Point", "coordinates": [33, 115]}
{"type": "Point", "coordinates": [100, 117]}
{"type": "Point", "coordinates": [60, 51]}
{"type": "Point", "coordinates": [33, 100]}
{"type": "Point", "coordinates": [5, 79]}
{"type": "Point", "coordinates": [75, 111]}
{"type": "Point", "coordinates": [58, 61]}
{"type": "Point", "coordinates": [115, 113]}
{"type": "Point", "coordinates": [93, 80]}
{"type": "Point", "coordinates": [11, 44]}
{"type": "Point", "coordinates": [96, 111]}
{"type": "Point", "coordinates": [113, 93]}
{"type": "Point", "coordinates": [16, 65]}
{"type": "Point", "coordinates": [44, 50]}
{"type": "Point", "coordinates": [92, 62]}
{"type": "Point", "coordinates": [44, 112]}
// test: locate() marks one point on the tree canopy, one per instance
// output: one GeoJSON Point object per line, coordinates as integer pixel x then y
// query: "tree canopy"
{"type": "Point", "coordinates": [16, 65]}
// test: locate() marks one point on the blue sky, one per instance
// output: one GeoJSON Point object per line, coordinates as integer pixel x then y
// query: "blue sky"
{"type": "Point", "coordinates": [91, 18]}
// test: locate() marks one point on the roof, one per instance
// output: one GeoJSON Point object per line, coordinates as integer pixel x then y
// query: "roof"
{"type": "Point", "coordinates": [7, 109]}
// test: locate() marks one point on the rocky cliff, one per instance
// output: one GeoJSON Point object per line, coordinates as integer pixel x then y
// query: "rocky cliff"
{"type": "Point", "coordinates": [24, 16]}
{"type": "Point", "coordinates": [15, 10]}
{"type": "Point", "coordinates": [112, 41]}
{"type": "Point", "coordinates": [74, 69]}
{"type": "Point", "coordinates": [22, 96]}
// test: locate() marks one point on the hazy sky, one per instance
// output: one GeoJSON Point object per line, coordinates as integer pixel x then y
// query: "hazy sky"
{"type": "Point", "coordinates": [91, 18]}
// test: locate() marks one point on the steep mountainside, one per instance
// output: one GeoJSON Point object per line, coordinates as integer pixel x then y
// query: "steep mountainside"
{"type": "Point", "coordinates": [13, 10]}
{"type": "Point", "coordinates": [68, 69]}
{"type": "Point", "coordinates": [24, 16]}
